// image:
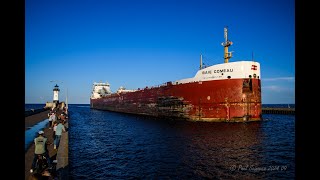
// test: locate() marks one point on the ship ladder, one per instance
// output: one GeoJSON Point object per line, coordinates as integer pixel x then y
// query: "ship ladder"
{"type": "Point", "coordinates": [246, 116]}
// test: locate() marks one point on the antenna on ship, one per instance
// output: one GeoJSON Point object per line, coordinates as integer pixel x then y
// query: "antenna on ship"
{"type": "Point", "coordinates": [200, 61]}
{"type": "Point", "coordinates": [226, 44]}
{"type": "Point", "coordinates": [252, 56]}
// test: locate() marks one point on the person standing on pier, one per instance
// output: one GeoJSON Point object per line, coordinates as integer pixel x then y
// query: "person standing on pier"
{"type": "Point", "coordinates": [54, 130]}
{"type": "Point", "coordinates": [52, 118]}
{"type": "Point", "coordinates": [40, 148]}
{"type": "Point", "coordinates": [59, 129]}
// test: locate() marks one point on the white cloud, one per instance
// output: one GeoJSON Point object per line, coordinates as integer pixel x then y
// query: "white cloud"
{"type": "Point", "coordinates": [279, 79]}
{"type": "Point", "coordinates": [274, 88]}
{"type": "Point", "coordinates": [277, 88]}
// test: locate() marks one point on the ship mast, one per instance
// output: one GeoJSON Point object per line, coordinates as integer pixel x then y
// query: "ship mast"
{"type": "Point", "coordinates": [226, 44]}
{"type": "Point", "coordinates": [200, 61]}
{"type": "Point", "coordinates": [67, 100]}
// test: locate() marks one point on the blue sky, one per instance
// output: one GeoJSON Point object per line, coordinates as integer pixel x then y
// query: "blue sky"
{"type": "Point", "coordinates": [135, 43]}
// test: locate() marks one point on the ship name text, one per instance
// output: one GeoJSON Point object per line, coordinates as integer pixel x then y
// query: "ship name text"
{"type": "Point", "coordinates": [222, 70]}
{"type": "Point", "coordinates": [217, 71]}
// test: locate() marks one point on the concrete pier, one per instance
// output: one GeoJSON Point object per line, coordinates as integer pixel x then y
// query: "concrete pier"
{"type": "Point", "coordinates": [62, 158]}
{"type": "Point", "coordinates": [34, 111]}
{"type": "Point", "coordinates": [59, 155]}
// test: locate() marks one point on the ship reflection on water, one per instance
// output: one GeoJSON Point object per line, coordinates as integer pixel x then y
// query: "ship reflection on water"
{"type": "Point", "coordinates": [121, 146]}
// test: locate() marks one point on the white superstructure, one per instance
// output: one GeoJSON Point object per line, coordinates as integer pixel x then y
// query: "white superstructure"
{"type": "Point", "coordinates": [124, 90]}
{"type": "Point", "coordinates": [231, 70]}
{"type": "Point", "coordinates": [100, 90]}
{"type": "Point", "coordinates": [227, 70]}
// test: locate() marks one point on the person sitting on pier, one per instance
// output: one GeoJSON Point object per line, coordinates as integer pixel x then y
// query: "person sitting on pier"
{"type": "Point", "coordinates": [40, 149]}
{"type": "Point", "coordinates": [63, 117]}
{"type": "Point", "coordinates": [65, 110]}
{"type": "Point", "coordinates": [49, 114]}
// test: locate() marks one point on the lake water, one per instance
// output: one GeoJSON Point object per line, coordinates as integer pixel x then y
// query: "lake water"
{"type": "Point", "coordinates": [108, 145]}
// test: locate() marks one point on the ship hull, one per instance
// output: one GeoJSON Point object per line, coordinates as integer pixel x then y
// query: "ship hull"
{"type": "Point", "coordinates": [228, 100]}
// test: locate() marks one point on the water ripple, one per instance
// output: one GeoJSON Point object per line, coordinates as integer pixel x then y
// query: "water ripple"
{"type": "Point", "coordinates": [107, 145]}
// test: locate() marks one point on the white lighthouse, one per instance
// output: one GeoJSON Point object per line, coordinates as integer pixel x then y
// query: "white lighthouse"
{"type": "Point", "coordinates": [56, 94]}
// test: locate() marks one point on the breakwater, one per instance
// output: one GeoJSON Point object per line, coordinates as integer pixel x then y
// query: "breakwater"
{"type": "Point", "coordinates": [34, 111]}
{"type": "Point", "coordinates": [62, 167]}
{"type": "Point", "coordinates": [270, 110]}
{"type": "Point", "coordinates": [58, 156]}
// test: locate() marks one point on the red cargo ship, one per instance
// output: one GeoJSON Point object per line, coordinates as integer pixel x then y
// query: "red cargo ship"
{"type": "Point", "coordinates": [227, 92]}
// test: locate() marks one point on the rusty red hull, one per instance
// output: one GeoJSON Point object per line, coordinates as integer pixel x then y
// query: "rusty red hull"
{"type": "Point", "coordinates": [228, 100]}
